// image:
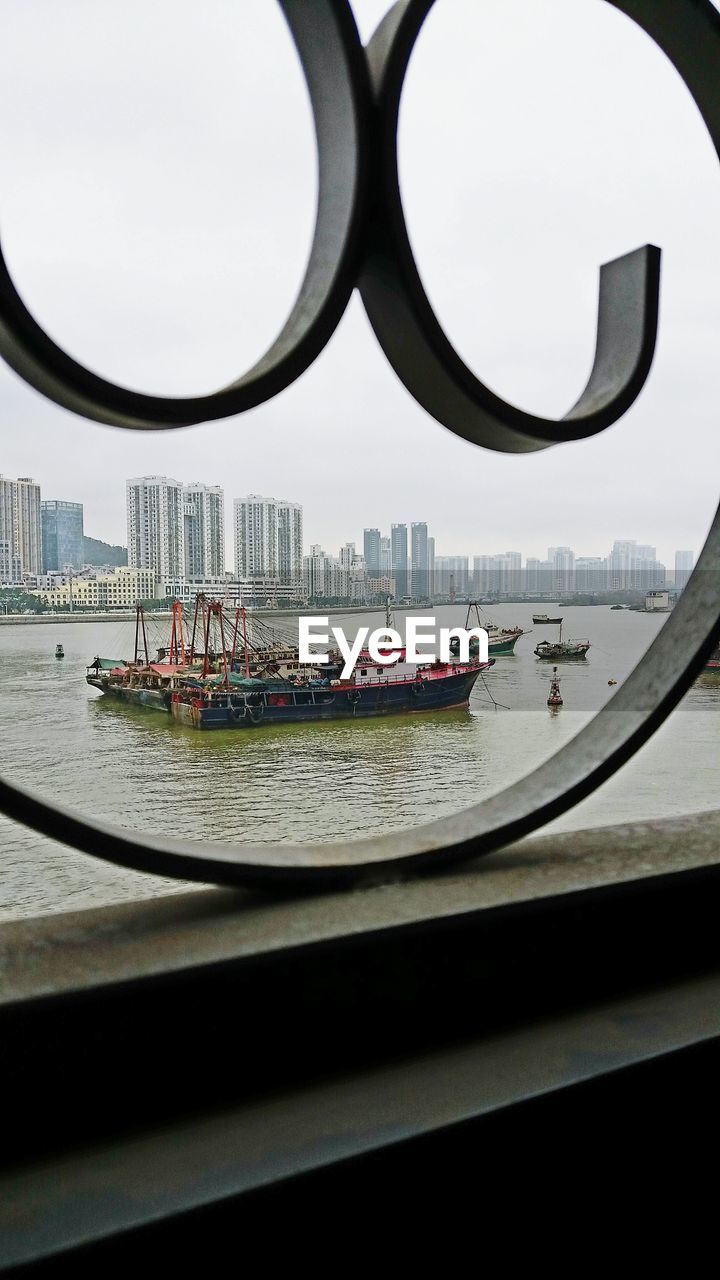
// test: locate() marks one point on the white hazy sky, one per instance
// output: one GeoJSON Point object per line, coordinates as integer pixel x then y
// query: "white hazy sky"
{"type": "Point", "coordinates": [157, 173]}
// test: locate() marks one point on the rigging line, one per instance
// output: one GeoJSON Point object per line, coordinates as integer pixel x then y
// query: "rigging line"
{"type": "Point", "coordinates": [494, 701]}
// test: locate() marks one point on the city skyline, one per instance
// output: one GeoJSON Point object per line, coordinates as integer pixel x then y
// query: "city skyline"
{"type": "Point", "coordinates": [202, 535]}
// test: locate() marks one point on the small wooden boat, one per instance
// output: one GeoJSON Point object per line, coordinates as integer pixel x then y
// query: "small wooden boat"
{"type": "Point", "coordinates": [562, 649]}
{"type": "Point", "coordinates": [59, 651]}
{"type": "Point", "coordinates": [541, 619]}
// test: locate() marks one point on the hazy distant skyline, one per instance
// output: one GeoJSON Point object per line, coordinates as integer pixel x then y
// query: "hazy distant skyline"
{"type": "Point", "coordinates": [156, 211]}
{"type": "Point", "coordinates": [538, 550]}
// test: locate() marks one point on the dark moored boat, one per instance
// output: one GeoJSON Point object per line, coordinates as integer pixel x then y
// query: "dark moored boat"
{"type": "Point", "coordinates": [541, 619]}
{"type": "Point", "coordinates": [370, 692]}
{"type": "Point", "coordinates": [274, 691]}
{"type": "Point", "coordinates": [59, 651]}
{"type": "Point", "coordinates": [561, 649]}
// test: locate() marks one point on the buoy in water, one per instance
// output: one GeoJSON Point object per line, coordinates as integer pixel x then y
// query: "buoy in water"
{"type": "Point", "coordinates": [555, 698]}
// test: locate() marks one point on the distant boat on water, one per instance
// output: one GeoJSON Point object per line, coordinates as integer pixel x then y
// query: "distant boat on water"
{"type": "Point", "coordinates": [542, 619]}
{"type": "Point", "coordinates": [562, 649]}
{"type": "Point", "coordinates": [59, 651]}
{"type": "Point", "coordinates": [501, 640]}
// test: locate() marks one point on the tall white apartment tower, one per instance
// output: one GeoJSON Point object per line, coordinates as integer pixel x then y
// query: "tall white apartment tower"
{"type": "Point", "coordinates": [28, 526]}
{"type": "Point", "coordinates": [204, 532]}
{"type": "Point", "coordinates": [268, 538]}
{"type": "Point", "coordinates": [7, 512]}
{"type": "Point", "coordinates": [155, 526]}
{"type": "Point", "coordinates": [289, 541]}
{"type": "Point", "coordinates": [255, 527]}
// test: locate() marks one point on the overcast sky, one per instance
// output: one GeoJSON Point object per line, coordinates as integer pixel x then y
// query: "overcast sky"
{"type": "Point", "coordinates": [157, 180]}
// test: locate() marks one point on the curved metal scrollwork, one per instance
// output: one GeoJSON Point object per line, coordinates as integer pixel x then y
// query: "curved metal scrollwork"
{"type": "Point", "coordinates": [355, 140]}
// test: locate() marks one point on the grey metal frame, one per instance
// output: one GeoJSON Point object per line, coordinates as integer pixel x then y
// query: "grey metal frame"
{"type": "Point", "coordinates": [360, 236]}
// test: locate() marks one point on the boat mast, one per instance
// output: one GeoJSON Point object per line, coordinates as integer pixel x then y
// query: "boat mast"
{"type": "Point", "coordinates": [219, 610]}
{"type": "Point", "coordinates": [198, 598]}
{"type": "Point", "coordinates": [147, 651]}
{"type": "Point", "coordinates": [206, 632]}
{"type": "Point", "coordinates": [235, 635]}
{"type": "Point", "coordinates": [245, 641]}
{"type": "Point", "coordinates": [137, 632]}
{"type": "Point", "coordinates": [177, 640]}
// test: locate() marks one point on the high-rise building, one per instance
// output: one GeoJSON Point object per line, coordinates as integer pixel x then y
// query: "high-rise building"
{"type": "Point", "coordinates": [431, 568]}
{"type": "Point", "coordinates": [399, 558]}
{"type": "Point", "coordinates": [28, 526]}
{"type": "Point", "coordinates": [204, 531]}
{"type": "Point", "coordinates": [563, 565]}
{"type": "Point", "coordinates": [684, 562]}
{"type": "Point", "coordinates": [255, 526]}
{"type": "Point", "coordinates": [418, 561]}
{"type": "Point", "coordinates": [7, 512]}
{"type": "Point", "coordinates": [10, 567]}
{"type": "Point", "coordinates": [320, 573]}
{"type": "Point", "coordinates": [590, 574]}
{"type": "Point", "coordinates": [371, 551]}
{"type": "Point", "coordinates": [63, 544]}
{"type": "Point", "coordinates": [385, 556]}
{"type": "Point", "coordinates": [268, 538]}
{"type": "Point", "coordinates": [156, 526]}
{"type": "Point", "coordinates": [289, 541]}
{"type": "Point", "coordinates": [633, 566]}
{"type": "Point", "coordinates": [452, 575]}
{"type": "Point", "coordinates": [533, 575]}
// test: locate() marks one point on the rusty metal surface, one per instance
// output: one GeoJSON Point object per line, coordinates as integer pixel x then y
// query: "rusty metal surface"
{"type": "Point", "coordinates": [357, 140]}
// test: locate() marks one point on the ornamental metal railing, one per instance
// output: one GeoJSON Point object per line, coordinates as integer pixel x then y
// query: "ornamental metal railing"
{"type": "Point", "coordinates": [360, 241]}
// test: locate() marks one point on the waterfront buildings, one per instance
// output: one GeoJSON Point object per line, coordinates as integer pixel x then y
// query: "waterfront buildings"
{"type": "Point", "coordinates": [119, 590]}
{"type": "Point", "coordinates": [254, 593]}
{"type": "Point", "coordinates": [156, 526]}
{"type": "Point", "coordinates": [62, 535]}
{"type": "Point", "coordinates": [204, 531]}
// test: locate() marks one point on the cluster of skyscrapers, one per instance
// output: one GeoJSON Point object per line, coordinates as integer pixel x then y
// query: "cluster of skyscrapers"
{"type": "Point", "coordinates": [37, 536]}
{"type": "Point", "coordinates": [176, 547]}
{"type": "Point", "coordinates": [178, 531]}
{"type": "Point", "coordinates": [629, 566]}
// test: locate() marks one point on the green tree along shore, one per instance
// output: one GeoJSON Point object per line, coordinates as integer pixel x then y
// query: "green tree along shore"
{"type": "Point", "coordinates": [15, 600]}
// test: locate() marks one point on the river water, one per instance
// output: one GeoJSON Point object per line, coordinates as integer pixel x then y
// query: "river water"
{"type": "Point", "coordinates": [301, 783]}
